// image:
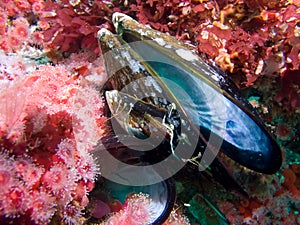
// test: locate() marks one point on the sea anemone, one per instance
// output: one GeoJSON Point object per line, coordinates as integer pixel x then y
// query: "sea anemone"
{"type": "Point", "coordinates": [137, 209]}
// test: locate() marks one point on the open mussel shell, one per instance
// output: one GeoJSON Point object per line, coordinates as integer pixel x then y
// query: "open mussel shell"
{"type": "Point", "coordinates": [125, 181]}
{"type": "Point", "coordinates": [217, 108]}
{"type": "Point", "coordinates": [131, 173]}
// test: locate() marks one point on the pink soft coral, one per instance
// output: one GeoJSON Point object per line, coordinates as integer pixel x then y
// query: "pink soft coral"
{"type": "Point", "coordinates": [14, 23]}
{"type": "Point", "coordinates": [48, 126]}
{"type": "Point", "coordinates": [138, 209]}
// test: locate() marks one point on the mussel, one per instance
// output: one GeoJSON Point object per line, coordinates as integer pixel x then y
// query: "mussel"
{"type": "Point", "coordinates": [157, 201]}
{"type": "Point", "coordinates": [168, 107]}
{"type": "Point", "coordinates": [216, 103]}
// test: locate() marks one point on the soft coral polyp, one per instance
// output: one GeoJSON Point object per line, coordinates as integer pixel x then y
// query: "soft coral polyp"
{"type": "Point", "coordinates": [44, 159]}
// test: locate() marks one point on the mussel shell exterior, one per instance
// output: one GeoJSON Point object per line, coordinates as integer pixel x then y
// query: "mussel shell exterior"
{"type": "Point", "coordinates": [245, 137]}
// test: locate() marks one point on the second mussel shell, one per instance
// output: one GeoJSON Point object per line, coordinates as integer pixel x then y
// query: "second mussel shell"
{"type": "Point", "coordinates": [131, 174]}
{"type": "Point", "coordinates": [216, 108]}
{"type": "Point", "coordinates": [162, 197]}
